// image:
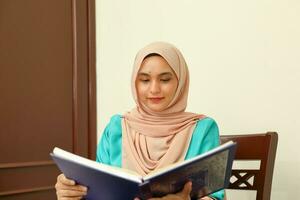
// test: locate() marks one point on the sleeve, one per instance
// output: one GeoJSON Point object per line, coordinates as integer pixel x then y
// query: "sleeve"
{"type": "Point", "coordinates": [211, 137]}
{"type": "Point", "coordinates": [103, 153]}
{"type": "Point", "coordinates": [205, 137]}
{"type": "Point", "coordinates": [109, 149]}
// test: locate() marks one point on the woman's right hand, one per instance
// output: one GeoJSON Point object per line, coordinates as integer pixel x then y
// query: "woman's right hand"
{"type": "Point", "coordinates": [67, 189]}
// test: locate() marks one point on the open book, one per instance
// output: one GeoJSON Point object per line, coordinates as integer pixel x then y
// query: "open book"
{"type": "Point", "coordinates": [209, 172]}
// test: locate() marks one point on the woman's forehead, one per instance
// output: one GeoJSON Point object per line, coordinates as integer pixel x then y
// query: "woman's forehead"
{"type": "Point", "coordinates": [155, 64]}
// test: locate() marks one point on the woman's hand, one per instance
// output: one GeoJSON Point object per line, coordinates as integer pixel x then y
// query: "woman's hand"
{"type": "Point", "coordinates": [66, 189]}
{"type": "Point", "coordinates": [184, 194]}
{"type": "Point", "coordinates": [206, 198]}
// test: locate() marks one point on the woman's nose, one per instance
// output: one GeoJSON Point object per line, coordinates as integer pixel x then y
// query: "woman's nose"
{"type": "Point", "coordinates": [155, 87]}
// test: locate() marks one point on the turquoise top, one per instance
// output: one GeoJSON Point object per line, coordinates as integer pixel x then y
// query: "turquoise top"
{"type": "Point", "coordinates": [204, 138]}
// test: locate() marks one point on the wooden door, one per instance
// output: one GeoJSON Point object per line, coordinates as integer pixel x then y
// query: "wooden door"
{"type": "Point", "coordinates": [47, 91]}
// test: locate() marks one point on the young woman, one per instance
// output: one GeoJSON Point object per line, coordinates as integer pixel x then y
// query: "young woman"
{"type": "Point", "coordinates": [158, 131]}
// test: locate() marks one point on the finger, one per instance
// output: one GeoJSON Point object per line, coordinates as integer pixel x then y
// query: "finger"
{"type": "Point", "coordinates": [187, 189]}
{"type": "Point", "coordinates": [70, 193]}
{"type": "Point", "coordinates": [70, 198]}
{"type": "Point", "coordinates": [205, 198]}
{"type": "Point", "coordinates": [63, 179]}
{"type": "Point", "coordinates": [60, 186]}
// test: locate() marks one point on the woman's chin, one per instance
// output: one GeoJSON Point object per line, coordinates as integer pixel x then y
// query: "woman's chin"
{"type": "Point", "coordinates": [156, 108]}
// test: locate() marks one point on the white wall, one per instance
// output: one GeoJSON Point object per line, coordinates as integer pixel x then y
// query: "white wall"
{"type": "Point", "coordinates": [244, 59]}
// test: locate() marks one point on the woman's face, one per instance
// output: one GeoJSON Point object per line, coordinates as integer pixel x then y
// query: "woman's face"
{"type": "Point", "coordinates": [156, 83]}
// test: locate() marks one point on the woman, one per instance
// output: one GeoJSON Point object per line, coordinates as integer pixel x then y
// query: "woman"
{"type": "Point", "coordinates": [158, 131]}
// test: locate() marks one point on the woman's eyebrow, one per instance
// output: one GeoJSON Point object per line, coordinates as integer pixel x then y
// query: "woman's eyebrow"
{"type": "Point", "coordinates": [166, 74]}
{"type": "Point", "coordinates": [143, 74]}
{"type": "Point", "coordinates": [149, 74]}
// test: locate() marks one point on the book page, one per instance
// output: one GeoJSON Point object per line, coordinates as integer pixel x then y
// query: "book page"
{"type": "Point", "coordinates": [185, 162]}
{"type": "Point", "coordinates": [116, 171]}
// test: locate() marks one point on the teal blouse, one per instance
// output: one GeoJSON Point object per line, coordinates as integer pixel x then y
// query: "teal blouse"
{"type": "Point", "coordinates": [204, 138]}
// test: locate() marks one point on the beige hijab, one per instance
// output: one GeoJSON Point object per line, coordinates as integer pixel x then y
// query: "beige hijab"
{"type": "Point", "coordinates": [152, 140]}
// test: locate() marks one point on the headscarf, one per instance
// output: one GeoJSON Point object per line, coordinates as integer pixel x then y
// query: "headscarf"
{"type": "Point", "coordinates": [150, 139]}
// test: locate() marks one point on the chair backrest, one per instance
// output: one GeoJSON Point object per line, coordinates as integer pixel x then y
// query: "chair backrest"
{"type": "Point", "coordinates": [254, 147]}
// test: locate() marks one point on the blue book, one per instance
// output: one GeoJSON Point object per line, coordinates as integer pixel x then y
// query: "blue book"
{"type": "Point", "coordinates": [209, 172]}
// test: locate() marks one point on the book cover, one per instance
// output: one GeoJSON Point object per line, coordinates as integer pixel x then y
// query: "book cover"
{"type": "Point", "coordinates": [209, 172]}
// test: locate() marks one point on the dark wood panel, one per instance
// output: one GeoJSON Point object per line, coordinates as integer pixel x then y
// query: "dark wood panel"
{"type": "Point", "coordinates": [29, 177]}
{"type": "Point", "coordinates": [47, 89]}
{"type": "Point", "coordinates": [42, 194]}
{"type": "Point", "coordinates": [35, 79]}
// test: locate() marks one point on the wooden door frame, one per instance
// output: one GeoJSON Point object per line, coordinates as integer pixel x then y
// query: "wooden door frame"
{"type": "Point", "coordinates": [88, 41]}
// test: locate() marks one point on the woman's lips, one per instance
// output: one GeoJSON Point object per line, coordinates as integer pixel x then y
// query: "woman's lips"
{"type": "Point", "coordinates": [156, 99]}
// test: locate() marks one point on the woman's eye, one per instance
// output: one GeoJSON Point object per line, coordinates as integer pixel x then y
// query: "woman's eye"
{"type": "Point", "coordinates": [165, 80]}
{"type": "Point", "coordinates": [144, 80]}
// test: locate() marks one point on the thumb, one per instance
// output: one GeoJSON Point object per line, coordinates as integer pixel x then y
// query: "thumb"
{"type": "Point", "coordinates": [187, 189]}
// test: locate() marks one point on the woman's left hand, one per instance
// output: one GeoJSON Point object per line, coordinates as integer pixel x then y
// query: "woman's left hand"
{"type": "Point", "coordinates": [184, 194]}
{"type": "Point", "coordinates": [206, 198]}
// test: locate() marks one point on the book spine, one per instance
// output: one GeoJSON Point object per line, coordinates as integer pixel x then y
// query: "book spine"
{"type": "Point", "coordinates": [230, 160]}
{"type": "Point", "coordinates": [145, 191]}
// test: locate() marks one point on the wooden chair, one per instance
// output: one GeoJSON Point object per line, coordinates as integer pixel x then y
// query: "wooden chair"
{"type": "Point", "coordinates": [254, 147]}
